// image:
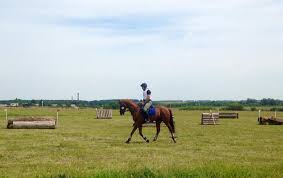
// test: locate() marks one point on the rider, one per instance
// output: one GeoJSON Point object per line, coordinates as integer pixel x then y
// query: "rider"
{"type": "Point", "coordinates": [146, 102]}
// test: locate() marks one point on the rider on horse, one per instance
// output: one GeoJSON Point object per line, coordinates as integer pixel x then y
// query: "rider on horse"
{"type": "Point", "coordinates": [146, 102]}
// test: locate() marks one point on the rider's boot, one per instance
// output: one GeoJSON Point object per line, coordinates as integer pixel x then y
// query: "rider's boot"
{"type": "Point", "coordinates": [145, 115]}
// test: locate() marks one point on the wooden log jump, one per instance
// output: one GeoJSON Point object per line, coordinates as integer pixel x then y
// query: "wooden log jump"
{"type": "Point", "coordinates": [270, 121]}
{"type": "Point", "coordinates": [103, 113]}
{"type": "Point", "coordinates": [225, 115]}
{"type": "Point", "coordinates": [273, 120]}
{"type": "Point", "coordinates": [39, 122]}
{"type": "Point", "coordinates": [32, 123]}
{"type": "Point", "coordinates": [209, 118]}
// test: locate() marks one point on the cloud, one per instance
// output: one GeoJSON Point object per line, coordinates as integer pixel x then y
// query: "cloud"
{"type": "Point", "coordinates": [104, 49]}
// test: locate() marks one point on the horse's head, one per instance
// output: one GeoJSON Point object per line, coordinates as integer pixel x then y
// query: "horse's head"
{"type": "Point", "coordinates": [123, 107]}
{"type": "Point", "coordinates": [127, 104]}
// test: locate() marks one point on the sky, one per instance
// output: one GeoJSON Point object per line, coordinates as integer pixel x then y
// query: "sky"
{"type": "Point", "coordinates": [183, 49]}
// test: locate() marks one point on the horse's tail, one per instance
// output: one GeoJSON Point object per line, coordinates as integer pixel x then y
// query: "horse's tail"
{"type": "Point", "coordinates": [171, 121]}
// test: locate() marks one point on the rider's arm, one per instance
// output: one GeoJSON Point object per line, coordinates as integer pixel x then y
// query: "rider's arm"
{"type": "Point", "coordinates": [147, 98]}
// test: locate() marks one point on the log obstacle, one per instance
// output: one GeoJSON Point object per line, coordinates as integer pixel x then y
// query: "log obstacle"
{"type": "Point", "coordinates": [103, 113]}
{"type": "Point", "coordinates": [209, 118]}
{"type": "Point", "coordinates": [32, 123]}
{"type": "Point", "coordinates": [38, 122]}
{"type": "Point", "coordinates": [225, 115]}
{"type": "Point", "coordinates": [270, 121]}
{"type": "Point", "coordinates": [273, 120]}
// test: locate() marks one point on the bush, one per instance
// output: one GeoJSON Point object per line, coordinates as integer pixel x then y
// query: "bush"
{"type": "Point", "coordinates": [234, 107]}
{"type": "Point", "coordinates": [199, 108]}
{"type": "Point", "coordinates": [276, 109]}
{"type": "Point", "coordinates": [253, 109]}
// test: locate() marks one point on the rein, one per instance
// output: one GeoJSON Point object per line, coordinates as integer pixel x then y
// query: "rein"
{"type": "Point", "coordinates": [133, 109]}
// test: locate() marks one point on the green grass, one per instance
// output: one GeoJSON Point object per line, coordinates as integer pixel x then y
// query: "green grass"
{"type": "Point", "coordinates": [83, 146]}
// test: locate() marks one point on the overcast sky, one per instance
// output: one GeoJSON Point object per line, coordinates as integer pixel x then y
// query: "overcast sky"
{"type": "Point", "coordinates": [183, 49]}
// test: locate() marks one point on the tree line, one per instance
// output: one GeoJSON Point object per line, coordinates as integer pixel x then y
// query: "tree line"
{"type": "Point", "coordinates": [113, 104]}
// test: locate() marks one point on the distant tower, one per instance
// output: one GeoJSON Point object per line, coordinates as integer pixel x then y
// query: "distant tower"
{"type": "Point", "coordinates": [78, 96]}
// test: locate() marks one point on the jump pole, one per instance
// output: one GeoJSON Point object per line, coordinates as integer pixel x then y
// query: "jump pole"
{"type": "Point", "coordinates": [57, 117]}
{"type": "Point", "coordinates": [6, 111]}
{"type": "Point", "coordinates": [213, 118]}
{"type": "Point", "coordinates": [259, 113]}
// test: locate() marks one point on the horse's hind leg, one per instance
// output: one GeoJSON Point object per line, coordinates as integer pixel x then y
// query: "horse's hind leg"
{"type": "Point", "coordinates": [171, 131]}
{"type": "Point", "coordinates": [157, 131]}
{"type": "Point", "coordinates": [140, 131]}
{"type": "Point", "coordinates": [133, 131]}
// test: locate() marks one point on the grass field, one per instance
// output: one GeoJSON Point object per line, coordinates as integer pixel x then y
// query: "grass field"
{"type": "Point", "coordinates": [82, 146]}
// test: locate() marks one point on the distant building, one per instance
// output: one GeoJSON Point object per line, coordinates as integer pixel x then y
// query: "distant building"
{"type": "Point", "coordinates": [54, 105]}
{"type": "Point", "coordinates": [74, 106]}
{"type": "Point", "coordinates": [14, 104]}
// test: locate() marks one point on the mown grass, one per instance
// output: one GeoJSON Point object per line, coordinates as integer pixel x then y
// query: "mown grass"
{"type": "Point", "coordinates": [83, 146]}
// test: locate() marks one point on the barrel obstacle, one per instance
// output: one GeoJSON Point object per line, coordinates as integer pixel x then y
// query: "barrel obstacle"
{"type": "Point", "coordinates": [103, 113]}
{"type": "Point", "coordinates": [273, 120]}
{"type": "Point", "coordinates": [209, 118]}
{"type": "Point", "coordinates": [32, 122]}
{"type": "Point", "coordinates": [226, 115]}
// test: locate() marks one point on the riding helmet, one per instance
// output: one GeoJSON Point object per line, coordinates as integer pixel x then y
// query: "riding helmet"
{"type": "Point", "coordinates": [144, 85]}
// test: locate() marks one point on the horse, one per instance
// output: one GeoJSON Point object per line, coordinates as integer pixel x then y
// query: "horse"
{"type": "Point", "coordinates": [162, 114]}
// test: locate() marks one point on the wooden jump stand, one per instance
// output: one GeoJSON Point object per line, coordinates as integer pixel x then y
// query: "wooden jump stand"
{"type": "Point", "coordinates": [104, 113]}
{"type": "Point", "coordinates": [209, 118]}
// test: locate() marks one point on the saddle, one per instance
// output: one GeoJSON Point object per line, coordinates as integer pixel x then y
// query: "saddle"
{"type": "Point", "coordinates": [151, 111]}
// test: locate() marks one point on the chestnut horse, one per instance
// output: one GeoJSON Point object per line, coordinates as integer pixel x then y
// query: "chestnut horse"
{"type": "Point", "coordinates": [162, 114]}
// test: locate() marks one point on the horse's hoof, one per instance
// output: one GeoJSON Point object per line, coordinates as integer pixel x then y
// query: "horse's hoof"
{"type": "Point", "coordinates": [128, 141]}
{"type": "Point", "coordinates": [147, 141]}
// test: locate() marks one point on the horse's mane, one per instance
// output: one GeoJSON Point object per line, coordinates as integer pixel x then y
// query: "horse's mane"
{"type": "Point", "coordinates": [130, 102]}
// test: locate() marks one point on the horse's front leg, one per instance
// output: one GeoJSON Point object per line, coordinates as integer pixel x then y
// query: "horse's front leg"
{"type": "Point", "coordinates": [140, 131]}
{"type": "Point", "coordinates": [133, 131]}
